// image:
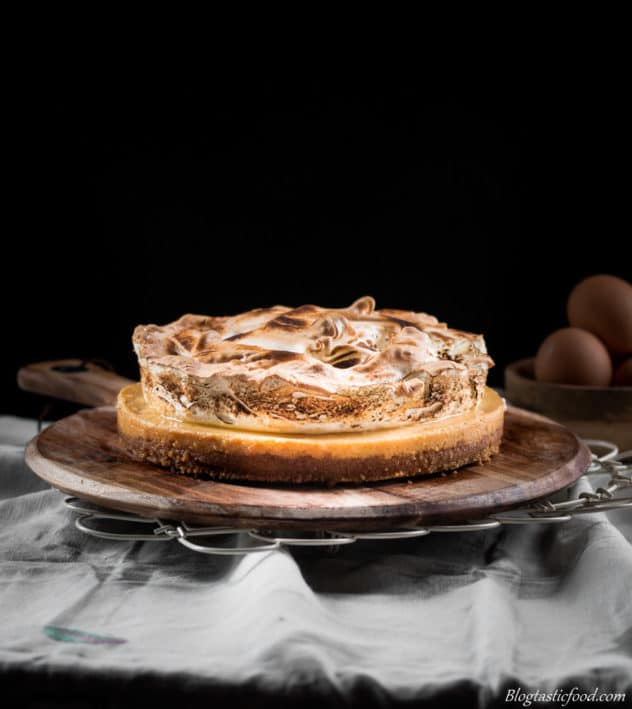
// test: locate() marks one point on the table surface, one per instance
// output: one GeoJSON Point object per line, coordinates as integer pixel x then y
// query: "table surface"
{"type": "Point", "coordinates": [454, 616]}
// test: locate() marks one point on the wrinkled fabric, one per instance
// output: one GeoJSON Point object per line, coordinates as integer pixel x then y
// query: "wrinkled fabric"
{"type": "Point", "coordinates": [542, 607]}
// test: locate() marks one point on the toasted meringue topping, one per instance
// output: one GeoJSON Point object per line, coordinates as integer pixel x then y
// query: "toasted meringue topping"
{"type": "Point", "coordinates": [311, 369]}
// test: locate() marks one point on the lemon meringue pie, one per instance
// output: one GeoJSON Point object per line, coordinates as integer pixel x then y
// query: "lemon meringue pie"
{"type": "Point", "coordinates": [310, 394]}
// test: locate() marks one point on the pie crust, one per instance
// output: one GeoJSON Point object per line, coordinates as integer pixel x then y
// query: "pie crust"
{"type": "Point", "coordinates": [237, 454]}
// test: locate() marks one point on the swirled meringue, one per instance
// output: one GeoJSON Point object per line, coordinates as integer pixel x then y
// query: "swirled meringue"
{"type": "Point", "coordinates": [311, 369]}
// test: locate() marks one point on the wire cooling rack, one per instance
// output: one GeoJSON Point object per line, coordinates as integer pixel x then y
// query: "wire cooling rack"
{"type": "Point", "coordinates": [106, 524]}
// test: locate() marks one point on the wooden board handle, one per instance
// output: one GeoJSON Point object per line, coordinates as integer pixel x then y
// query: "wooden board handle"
{"type": "Point", "coordinates": [72, 380]}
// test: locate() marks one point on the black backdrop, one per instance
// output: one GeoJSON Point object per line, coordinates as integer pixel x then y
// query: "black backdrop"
{"type": "Point", "coordinates": [148, 197]}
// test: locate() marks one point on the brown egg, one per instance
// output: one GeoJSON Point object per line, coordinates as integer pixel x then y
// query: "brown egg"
{"type": "Point", "coordinates": [573, 356]}
{"type": "Point", "coordinates": [623, 374]}
{"type": "Point", "coordinates": [603, 305]}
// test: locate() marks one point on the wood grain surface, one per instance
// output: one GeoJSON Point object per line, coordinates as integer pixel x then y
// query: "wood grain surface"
{"type": "Point", "coordinates": [72, 380]}
{"type": "Point", "coordinates": [590, 412]}
{"type": "Point", "coordinates": [82, 455]}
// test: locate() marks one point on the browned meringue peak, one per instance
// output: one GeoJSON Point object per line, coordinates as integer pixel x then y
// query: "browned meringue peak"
{"type": "Point", "coordinates": [311, 369]}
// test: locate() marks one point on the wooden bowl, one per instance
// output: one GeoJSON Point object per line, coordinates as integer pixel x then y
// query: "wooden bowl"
{"type": "Point", "coordinates": [591, 412]}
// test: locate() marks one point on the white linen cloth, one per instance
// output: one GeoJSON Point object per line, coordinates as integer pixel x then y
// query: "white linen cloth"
{"type": "Point", "coordinates": [447, 615]}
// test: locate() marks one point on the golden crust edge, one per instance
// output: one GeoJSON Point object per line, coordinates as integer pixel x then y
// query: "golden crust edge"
{"type": "Point", "coordinates": [307, 459]}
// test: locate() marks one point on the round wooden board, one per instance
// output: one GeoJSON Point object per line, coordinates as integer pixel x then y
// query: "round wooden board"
{"type": "Point", "coordinates": [82, 455]}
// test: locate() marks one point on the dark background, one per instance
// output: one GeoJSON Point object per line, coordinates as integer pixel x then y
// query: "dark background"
{"type": "Point", "coordinates": [145, 197]}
